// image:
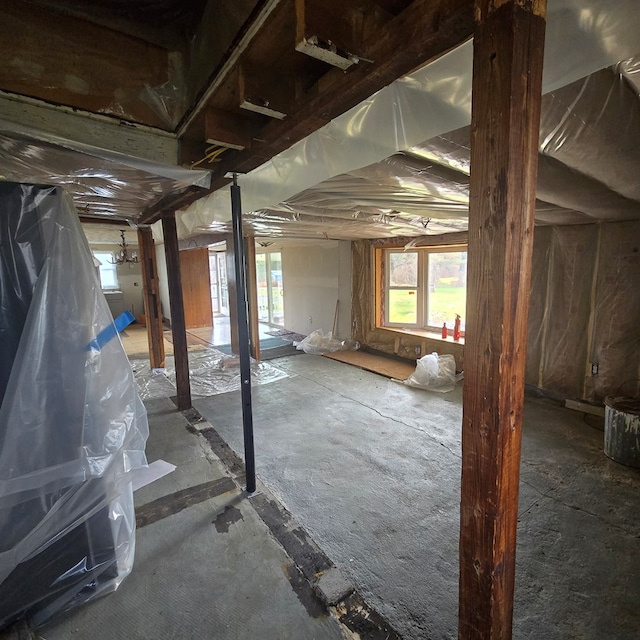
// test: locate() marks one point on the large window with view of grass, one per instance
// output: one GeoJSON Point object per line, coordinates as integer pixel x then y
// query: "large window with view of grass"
{"type": "Point", "coordinates": [424, 288]}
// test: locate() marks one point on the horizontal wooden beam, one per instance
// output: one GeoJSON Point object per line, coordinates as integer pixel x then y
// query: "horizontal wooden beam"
{"type": "Point", "coordinates": [114, 222]}
{"type": "Point", "coordinates": [42, 120]}
{"type": "Point", "coordinates": [171, 203]}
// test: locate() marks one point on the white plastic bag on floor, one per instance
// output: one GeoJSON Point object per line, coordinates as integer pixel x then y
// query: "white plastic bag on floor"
{"type": "Point", "coordinates": [434, 372]}
{"type": "Point", "coordinates": [317, 343]}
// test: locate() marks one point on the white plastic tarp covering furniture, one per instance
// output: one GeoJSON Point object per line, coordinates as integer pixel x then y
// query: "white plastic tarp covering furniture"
{"type": "Point", "coordinates": [72, 426]}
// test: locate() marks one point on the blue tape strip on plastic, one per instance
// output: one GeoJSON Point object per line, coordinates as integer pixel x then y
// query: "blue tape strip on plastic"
{"type": "Point", "coordinates": [110, 332]}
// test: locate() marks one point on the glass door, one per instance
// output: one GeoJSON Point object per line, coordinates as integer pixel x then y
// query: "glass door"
{"type": "Point", "coordinates": [218, 279]}
{"type": "Point", "coordinates": [270, 288]}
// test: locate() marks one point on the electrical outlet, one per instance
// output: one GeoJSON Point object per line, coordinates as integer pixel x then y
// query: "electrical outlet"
{"type": "Point", "coordinates": [418, 350]}
{"type": "Point", "coordinates": [594, 368]}
{"type": "Point", "coordinates": [310, 320]}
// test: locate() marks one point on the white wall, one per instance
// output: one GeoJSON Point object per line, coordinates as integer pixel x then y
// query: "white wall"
{"type": "Point", "coordinates": [129, 280]}
{"type": "Point", "coordinates": [163, 282]}
{"type": "Point", "coordinates": [316, 275]}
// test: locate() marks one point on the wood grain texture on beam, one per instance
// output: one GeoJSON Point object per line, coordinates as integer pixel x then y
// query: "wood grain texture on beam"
{"type": "Point", "coordinates": [178, 329]}
{"type": "Point", "coordinates": [507, 80]}
{"type": "Point", "coordinates": [171, 203]}
{"type": "Point", "coordinates": [151, 294]}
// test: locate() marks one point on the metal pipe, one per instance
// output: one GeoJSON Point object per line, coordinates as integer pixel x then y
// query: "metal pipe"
{"type": "Point", "coordinates": [243, 335]}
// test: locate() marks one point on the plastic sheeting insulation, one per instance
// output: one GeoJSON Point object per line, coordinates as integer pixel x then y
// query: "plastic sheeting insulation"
{"type": "Point", "coordinates": [583, 37]}
{"type": "Point", "coordinates": [101, 182]}
{"type": "Point", "coordinates": [72, 426]}
{"type": "Point", "coordinates": [211, 372]}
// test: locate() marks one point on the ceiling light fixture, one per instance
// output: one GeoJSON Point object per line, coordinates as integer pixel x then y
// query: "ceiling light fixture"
{"type": "Point", "coordinates": [123, 255]}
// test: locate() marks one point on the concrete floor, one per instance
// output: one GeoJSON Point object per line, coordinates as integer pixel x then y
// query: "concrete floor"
{"type": "Point", "coordinates": [212, 570]}
{"type": "Point", "coordinates": [371, 469]}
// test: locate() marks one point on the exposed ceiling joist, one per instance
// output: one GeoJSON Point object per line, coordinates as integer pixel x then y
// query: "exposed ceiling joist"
{"type": "Point", "coordinates": [426, 29]}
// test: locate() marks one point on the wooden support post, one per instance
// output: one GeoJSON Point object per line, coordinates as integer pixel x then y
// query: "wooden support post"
{"type": "Point", "coordinates": [507, 80]}
{"type": "Point", "coordinates": [232, 290]}
{"type": "Point", "coordinates": [252, 297]}
{"type": "Point", "coordinates": [151, 293]}
{"type": "Point", "coordinates": [177, 311]}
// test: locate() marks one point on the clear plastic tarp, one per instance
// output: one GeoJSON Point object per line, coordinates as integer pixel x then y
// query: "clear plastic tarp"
{"type": "Point", "coordinates": [211, 372]}
{"type": "Point", "coordinates": [104, 183]}
{"type": "Point", "coordinates": [317, 343]}
{"type": "Point", "coordinates": [72, 425]}
{"type": "Point", "coordinates": [583, 37]}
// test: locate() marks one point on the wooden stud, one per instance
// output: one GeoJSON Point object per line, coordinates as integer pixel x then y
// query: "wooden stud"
{"type": "Point", "coordinates": [151, 294]}
{"type": "Point", "coordinates": [178, 330]}
{"type": "Point", "coordinates": [252, 297]}
{"type": "Point", "coordinates": [379, 278]}
{"type": "Point", "coordinates": [507, 80]}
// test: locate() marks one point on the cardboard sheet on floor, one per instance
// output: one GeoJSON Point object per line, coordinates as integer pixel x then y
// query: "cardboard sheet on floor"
{"type": "Point", "coordinates": [388, 367]}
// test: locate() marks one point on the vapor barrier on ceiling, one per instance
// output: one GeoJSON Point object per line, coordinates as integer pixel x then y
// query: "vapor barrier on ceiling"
{"type": "Point", "coordinates": [347, 167]}
{"type": "Point", "coordinates": [103, 183]}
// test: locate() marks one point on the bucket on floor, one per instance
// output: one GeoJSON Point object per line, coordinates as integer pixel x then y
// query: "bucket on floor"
{"type": "Point", "coordinates": [622, 429]}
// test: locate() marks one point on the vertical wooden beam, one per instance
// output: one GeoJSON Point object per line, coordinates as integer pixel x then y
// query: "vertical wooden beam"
{"type": "Point", "coordinates": [507, 80]}
{"type": "Point", "coordinates": [178, 330]}
{"type": "Point", "coordinates": [232, 289]}
{"type": "Point", "coordinates": [252, 296]}
{"type": "Point", "coordinates": [151, 294]}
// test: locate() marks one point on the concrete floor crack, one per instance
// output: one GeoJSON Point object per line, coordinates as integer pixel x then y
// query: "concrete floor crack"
{"type": "Point", "coordinates": [548, 494]}
{"type": "Point", "coordinates": [382, 415]}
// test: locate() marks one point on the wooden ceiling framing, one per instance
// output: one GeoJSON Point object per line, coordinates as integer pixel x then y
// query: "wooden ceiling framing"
{"type": "Point", "coordinates": [234, 82]}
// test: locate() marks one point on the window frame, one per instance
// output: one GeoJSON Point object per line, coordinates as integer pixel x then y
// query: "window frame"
{"type": "Point", "coordinates": [111, 267]}
{"type": "Point", "coordinates": [422, 288]}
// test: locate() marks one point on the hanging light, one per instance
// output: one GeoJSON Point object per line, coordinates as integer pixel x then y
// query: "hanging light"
{"type": "Point", "coordinates": [123, 255]}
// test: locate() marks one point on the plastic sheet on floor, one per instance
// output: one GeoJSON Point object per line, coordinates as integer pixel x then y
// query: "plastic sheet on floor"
{"type": "Point", "coordinates": [211, 372]}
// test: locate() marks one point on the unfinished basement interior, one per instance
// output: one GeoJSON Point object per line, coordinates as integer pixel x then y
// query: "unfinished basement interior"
{"type": "Point", "coordinates": [320, 319]}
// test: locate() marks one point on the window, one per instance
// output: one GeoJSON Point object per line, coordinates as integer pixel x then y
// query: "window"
{"type": "Point", "coordinates": [270, 288]}
{"type": "Point", "coordinates": [424, 288]}
{"type": "Point", "coordinates": [108, 272]}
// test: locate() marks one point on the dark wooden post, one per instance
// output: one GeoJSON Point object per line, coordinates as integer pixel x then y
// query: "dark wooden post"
{"type": "Point", "coordinates": [151, 293]}
{"type": "Point", "coordinates": [252, 296]}
{"type": "Point", "coordinates": [232, 290]}
{"type": "Point", "coordinates": [178, 330]}
{"type": "Point", "coordinates": [507, 80]}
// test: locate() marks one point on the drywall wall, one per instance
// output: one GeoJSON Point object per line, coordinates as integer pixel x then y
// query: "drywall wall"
{"type": "Point", "coordinates": [129, 280]}
{"type": "Point", "coordinates": [163, 281]}
{"type": "Point", "coordinates": [316, 275]}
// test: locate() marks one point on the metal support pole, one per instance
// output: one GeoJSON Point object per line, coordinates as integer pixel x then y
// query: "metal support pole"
{"type": "Point", "coordinates": [243, 334]}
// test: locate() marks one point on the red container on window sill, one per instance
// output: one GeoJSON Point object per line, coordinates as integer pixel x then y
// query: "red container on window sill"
{"type": "Point", "coordinates": [456, 328]}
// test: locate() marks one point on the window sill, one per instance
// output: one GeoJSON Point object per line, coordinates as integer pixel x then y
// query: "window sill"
{"type": "Point", "coordinates": [431, 335]}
